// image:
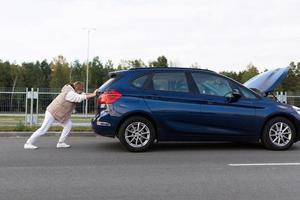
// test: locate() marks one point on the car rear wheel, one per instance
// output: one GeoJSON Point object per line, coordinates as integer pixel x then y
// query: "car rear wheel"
{"type": "Point", "coordinates": [278, 134]}
{"type": "Point", "coordinates": [137, 134]}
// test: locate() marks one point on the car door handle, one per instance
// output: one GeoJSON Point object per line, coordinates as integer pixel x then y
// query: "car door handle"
{"type": "Point", "coordinates": [153, 96]}
{"type": "Point", "coordinates": [209, 101]}
{"type": "Point", "coordinates": [212, 102]}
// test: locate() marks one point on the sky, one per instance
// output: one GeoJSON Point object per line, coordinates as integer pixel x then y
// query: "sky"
{"type": "Point", "coordinates": [215, 34]}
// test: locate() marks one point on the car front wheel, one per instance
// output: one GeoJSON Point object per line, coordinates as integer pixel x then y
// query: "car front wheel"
{"type": "Point", "coordinates": [278, 134]}
{"type": "Point", "coordinates": [137, 134]}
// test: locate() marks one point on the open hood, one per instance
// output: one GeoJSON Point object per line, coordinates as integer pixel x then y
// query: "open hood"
{"type": "Point", "coordinates": [267, 81]}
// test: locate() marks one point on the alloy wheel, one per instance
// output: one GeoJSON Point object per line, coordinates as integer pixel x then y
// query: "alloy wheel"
{"type": "Point", "coordinates": [280, 134]}
{"type": "Point", "coordinates": [137, 134]}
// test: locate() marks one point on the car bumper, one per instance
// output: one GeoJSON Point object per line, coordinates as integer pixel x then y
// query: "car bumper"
{"type": "Point", "coordinates": [103, 124]}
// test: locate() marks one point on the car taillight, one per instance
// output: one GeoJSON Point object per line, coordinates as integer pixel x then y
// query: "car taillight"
{"type": "Point", "coordinates": [109, 97]}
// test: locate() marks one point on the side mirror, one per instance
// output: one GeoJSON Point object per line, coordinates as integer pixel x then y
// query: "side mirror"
{"type": "Point", "coordinates": [235, 95]}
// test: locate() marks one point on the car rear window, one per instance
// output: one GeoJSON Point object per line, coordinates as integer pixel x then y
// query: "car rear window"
{"type": "Point", "coordinates": [107, 83]}
{"type": "Point", "coordinates": [140, 81]}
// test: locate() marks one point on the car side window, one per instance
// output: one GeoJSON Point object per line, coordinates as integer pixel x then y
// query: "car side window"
{"type": "Point", "coordinates": [247, 94]}
{"type": "Point", "coordinates": [139, 82]}
{"type": "Point", "coordinates": [175, 82]}
{"type": "Point", "coordinates": [210, 84]}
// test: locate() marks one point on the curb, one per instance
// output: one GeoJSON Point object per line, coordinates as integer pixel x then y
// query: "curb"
{"type": "Point", "coordinates": [27, 134]}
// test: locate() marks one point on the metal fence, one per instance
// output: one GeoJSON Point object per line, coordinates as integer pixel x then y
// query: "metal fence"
{"type": "Point", "coordinates": [30, 103]}
{"type": "Point", "coordinates": [12, 100]}
{"type": "Point", "coordinates": [293, 98]}
{"type": "Point", "coordinates": [19, 100]}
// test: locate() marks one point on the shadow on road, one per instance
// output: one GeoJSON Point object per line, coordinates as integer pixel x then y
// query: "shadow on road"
{"type": "Point", "coordinates": [115, 146]}
{"type": "Point", "coordinates": [210, 146]}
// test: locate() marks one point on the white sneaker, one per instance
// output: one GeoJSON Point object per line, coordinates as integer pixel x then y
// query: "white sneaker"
{"type": "Point", "coordinates": [29, 146]}
{"type": "Point", "coordinates": [62, 145]}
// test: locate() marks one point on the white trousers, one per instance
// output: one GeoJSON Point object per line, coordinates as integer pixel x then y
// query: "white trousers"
{"type": "Point", "coordinates": [48, 121]}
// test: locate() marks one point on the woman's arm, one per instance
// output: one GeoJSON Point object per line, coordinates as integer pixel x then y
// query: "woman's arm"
{"type": "Point", "coordinates": [77, 98]}
{"type": "Point", "coordinates": [91, 95]}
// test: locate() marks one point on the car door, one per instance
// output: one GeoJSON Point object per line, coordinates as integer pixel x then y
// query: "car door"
{"type": "Point", "coordinates": [219, 117]}
{"type": "Point", "coordinates": [172, 102]}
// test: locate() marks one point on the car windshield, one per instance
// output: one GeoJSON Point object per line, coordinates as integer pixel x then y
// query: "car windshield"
{"type": "Point", "coordinates": [257, 91]}
{"type": "Point", "coordinates": [262, 94]}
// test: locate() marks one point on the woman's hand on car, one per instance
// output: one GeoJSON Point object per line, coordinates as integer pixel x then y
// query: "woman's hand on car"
{"type": "Point", "coordinates": [91, 95]}
{"type": "Point", "coordinates": [95, 92]}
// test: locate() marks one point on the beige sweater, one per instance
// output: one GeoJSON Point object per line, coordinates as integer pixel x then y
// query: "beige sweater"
{"type": "Point", "coordinates": [63, 105]}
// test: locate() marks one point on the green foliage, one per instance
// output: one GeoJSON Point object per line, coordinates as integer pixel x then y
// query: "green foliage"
{"type": "Point", "coordinates": [45, 74]}
{"type": "Point", "coordinates": [31, 74]}
{"type": "Point", "coordinates": [98, 72]}
{"type": "Point", "coordinates": [5, 76]}
{"type": "Point", "coordinates": [77, 71]}
{"type": "Point", "coordinates": [242, 76]}
{"type": "Point", "coordinates": [59, 72]}
{"type": "Point", "coordinates": [20, 126]}
{"type": "Point", "coordinates": [234, 75]}
{"type": "Point", "coordinates": [161, 61]}
{"type": "Point", "coordinates": [127, 64]}
{"type": "Point", "coordinates": [136, 63]}
{"type": "Point", "coordinates": [292, 82]}
{"type": "Point", "coordinates": [250, 72]}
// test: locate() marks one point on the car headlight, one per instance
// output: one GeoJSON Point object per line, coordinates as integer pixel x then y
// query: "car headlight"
{"type": "Point", "coordinates": [297, 109]}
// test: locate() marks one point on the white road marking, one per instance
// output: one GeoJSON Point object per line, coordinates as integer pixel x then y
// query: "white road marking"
{"type": "Point", "coordinates": [263, 164]}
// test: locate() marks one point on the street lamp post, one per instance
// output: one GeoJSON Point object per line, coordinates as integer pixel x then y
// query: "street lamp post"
{"type": "Point", "coordinates": [89, 30]}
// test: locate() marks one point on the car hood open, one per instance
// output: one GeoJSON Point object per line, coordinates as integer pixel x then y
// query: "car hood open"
{"type": "Point", "coordinates": [267, 81]}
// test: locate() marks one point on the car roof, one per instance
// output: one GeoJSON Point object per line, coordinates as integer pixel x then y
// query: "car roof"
{"type": "Point", "coordinates": [168, 68]}
{"type": "Point", "coordinates": [156, 69]}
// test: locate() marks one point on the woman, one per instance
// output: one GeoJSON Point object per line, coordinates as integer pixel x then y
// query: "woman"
{"type": "Point", "coordinates": [60, 110]}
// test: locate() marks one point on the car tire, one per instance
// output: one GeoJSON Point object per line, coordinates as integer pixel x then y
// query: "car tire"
{"type": "Point", "coordinates": [137, 134]}
{"type": "Point", "coordinates": [279, 134]}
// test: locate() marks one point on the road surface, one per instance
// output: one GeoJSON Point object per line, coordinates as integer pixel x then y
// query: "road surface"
{"type": "Point", "coordinates": [99, 168]}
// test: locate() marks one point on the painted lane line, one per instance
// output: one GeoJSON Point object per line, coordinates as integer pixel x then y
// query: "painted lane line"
{"type": "Point", "coordinates": [263, 164]}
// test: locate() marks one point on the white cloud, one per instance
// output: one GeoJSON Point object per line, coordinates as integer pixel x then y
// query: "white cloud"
{"type": "Point", "coordinates": [220, 35]}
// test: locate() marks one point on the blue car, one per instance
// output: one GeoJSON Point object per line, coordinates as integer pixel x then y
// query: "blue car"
{"type": "Point", "coordinates": [143, 105]}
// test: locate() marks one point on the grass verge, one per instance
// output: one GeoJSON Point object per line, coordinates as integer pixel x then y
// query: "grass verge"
{"type": "Point", "coordinates": [23, 128]}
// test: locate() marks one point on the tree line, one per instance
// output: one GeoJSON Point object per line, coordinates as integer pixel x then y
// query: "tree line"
{"type": "Point", "coordinates": [56, 73]}
{"type": "Point", "coordinates": [290, 83]}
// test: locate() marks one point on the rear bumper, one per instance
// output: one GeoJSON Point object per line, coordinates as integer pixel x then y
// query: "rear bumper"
{"type": "Point", "coordinates": [104, 125]}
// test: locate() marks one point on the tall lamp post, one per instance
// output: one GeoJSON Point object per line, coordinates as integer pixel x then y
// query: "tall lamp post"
{"type": "Point", "coordinates": [89, 30]}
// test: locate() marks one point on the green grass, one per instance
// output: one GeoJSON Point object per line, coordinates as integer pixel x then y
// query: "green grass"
{"type": "Point", "coordinates": [24, 128]}
{"type": "Point", "coordinates": [16, 123]}
{"type": "Point", "coordinates": [13, 120]}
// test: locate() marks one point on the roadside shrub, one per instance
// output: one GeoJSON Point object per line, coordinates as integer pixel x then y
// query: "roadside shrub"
{"type": "Point", "coordinates": [20, 126]}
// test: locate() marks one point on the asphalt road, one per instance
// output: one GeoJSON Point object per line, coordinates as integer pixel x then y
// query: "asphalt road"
{"type": "Point", "coordinates": [99, 168]}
